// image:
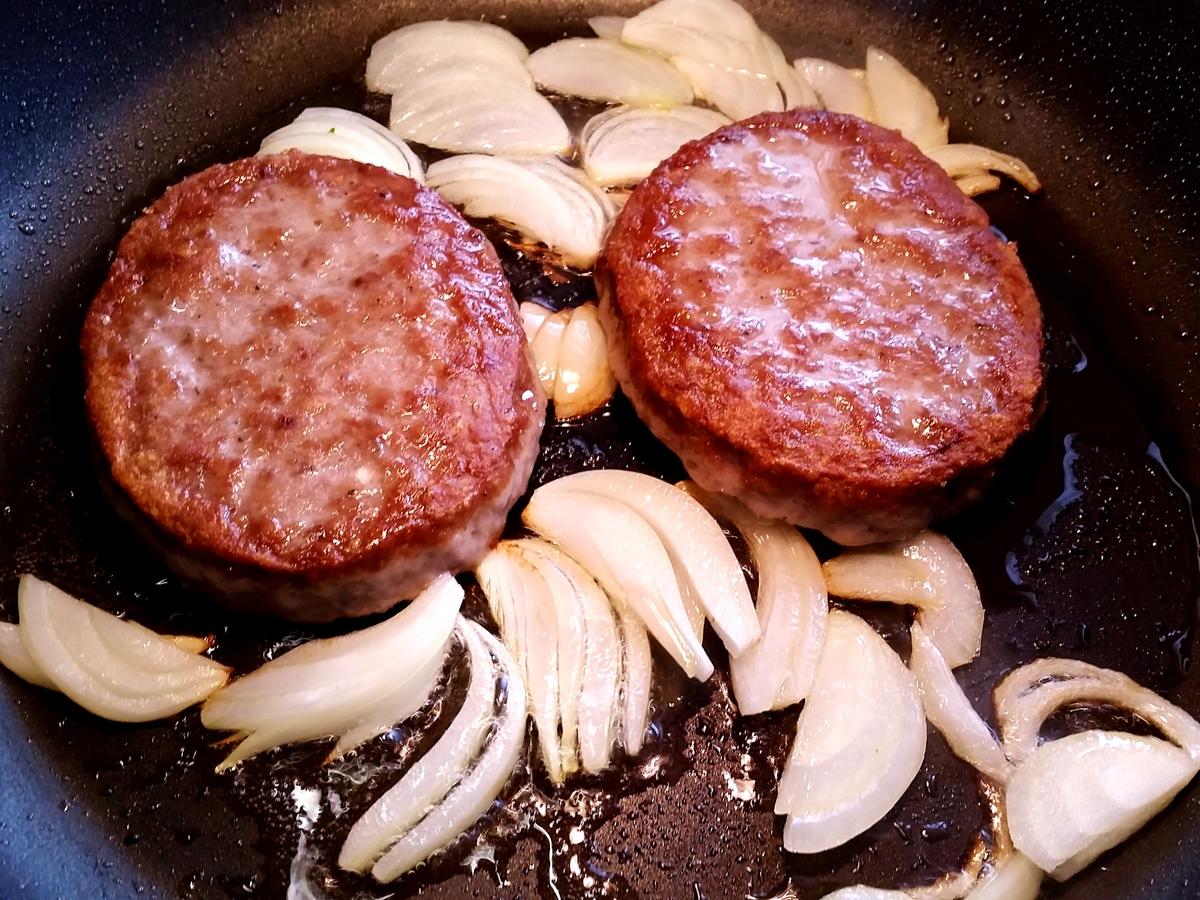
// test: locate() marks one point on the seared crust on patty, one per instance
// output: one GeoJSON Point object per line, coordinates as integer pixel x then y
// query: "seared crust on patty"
{"type": "Point", "coordinates": [310, 375]}
{"type": "Point", "coordinates": [810, 313]}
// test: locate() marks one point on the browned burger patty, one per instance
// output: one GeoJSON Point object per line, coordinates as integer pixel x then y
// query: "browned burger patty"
{"type": "Point", "coordinates": [810, 313]}
{"type": "Point", "coordinates": [309, 374]}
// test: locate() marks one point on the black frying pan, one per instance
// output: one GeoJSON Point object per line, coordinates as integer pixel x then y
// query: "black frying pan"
{"type": "Point", "coordinates": [1084, 547]}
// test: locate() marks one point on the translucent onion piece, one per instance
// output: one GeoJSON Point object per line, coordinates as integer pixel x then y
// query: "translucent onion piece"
{"type": "Point", "coordinates": [607, 27]}
{"type": "Point", "coordinates": [792, 608]}
{"type": "Point", "coordinates": [1013, 878]}
{"type": "Point", "coordinates": [399, 58]}
{"type": "Point", "coordinates": [571, 617]}
{"type": "Point", "coordinates": [705, 565]}
{"type": "Point", "coordinates": [541, 197]}
{"type": "Point", "coordinates": [15, 658]}
{"type": "Point", "coordinates": [429, 779]}
{"type": "Point", "coordinates": [546, 347]}
{"type": "Point", "coordinates": [951, 713]}
{"type": "Point", "coordinates": [1031, 694]}
{"type": "Point", "coordinates": [474, 795]}
{"type": "Point", "coordinates": [797, 92]}
{"type": "Point", "coordinates": [191, 644]}
{"type": "Point", "coordinates": [111, 667]}
{"type": "Point", "coordinates": [465, 113]}
{"type": "Point", "coordinates": [841, 90]}
{"type": "Point", "coordinates": [974, 185]}
{"type": "Point", "coordinates": [738, 93]}
{"type": "Point", "coordinates": [601, 676]}
{"type": "Point", "coordinates": [903, 103]}
{"type": "Point", "coordinates": [927, 572]}
{"type": "Point", "coordinates": [862, 892]}
{"type": "Point", "coordinates": [625, 555]}
{"type": "Point", "coordinates": [622, 146]}
{"type": "Point", "coordinates": [325, 686]}
{"type": "Point", "coordinates": [605, 70]}
{"type": "Point", "coordinates": [637, 666]}
{"type": "Point", "coordinates": [584, 381]}
{"type": "Point", "coordinates": [717, 31]}
{"type": "Point", "coordinates": [521, 604]}
{"type": "Point", "coordinates": [348, 135]}
{"type": "Point", "coordinates": [961, 160]}
{"type": "Point", "coordinates": [533, 316]}
{"type": "Point", "coordinates": [860, 740]}
{"type": "Point", "coordinates": [1076, 797]}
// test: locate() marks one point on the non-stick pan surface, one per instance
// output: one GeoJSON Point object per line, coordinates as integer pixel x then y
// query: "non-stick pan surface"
{"type": "Point", "coordinates": [1084, 547]}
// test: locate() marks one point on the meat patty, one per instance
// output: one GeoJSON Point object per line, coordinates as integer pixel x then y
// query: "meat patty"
{"type": "Point", "coordinates": [809, 312]}
{"type": "Point", "coordinates": [309, 377]}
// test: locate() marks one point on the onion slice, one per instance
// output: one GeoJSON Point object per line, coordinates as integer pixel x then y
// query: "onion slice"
{"type": "Point", "coordinates": [974, 185]}
{"type": "Point", "coordinates": [792, 608]}
{"type": "Point", "coordinates": [546, 347]}
{"type": "Point", "coordinates": [860, 740]}
{"type": "Point", "coordinates": [622, 146]}
{"type": "Point", "coordinates": [738, 93]}
{"type": "Point", "coordinates": [623, 553]}
{"type": "Point", "coordinates": [583, 380]}
{"type": "Point", "coordinates": [840, 90]}
{"type": "Point", "coordinates": [1078, 796]}
{"type": "Point", "coordinates": [951, 713]}
{"type": "Point", "coordinates": [476, 792]}
{"type": "Point", "coordinates": [796, 89]}
{"type": "Point", "coordinates": [15, 658]}
{"type": "Point", "coordinates": [400, 58]}
{"type": "Point", "coordinates": [112, 667]}
{"type": "Point", "coordinates": [533, 316]}
{"type": "Point", "coordinates": [1031, 694]}
{"type": "Point", "coordinates": [863, 892]}
{"type": "Point", "coordinates": [964, 160]}
{"type": "Point", "coordinates": [600, 679]}
{"type": "Point", "coordinates": [927, 572]}
{"type": "Point", "coordinates": [429, 779]}
{"type": "Point", "coordinates": [705, 565]}
{"type": "Point", "coordinates": [903, 103]}
{"type": "Point", "coordinates": [1014, 877]}
{"type": "Point", "coordinates": [717, 31]}
{"type": "Point", "coordinates": [607, 27]}
{"type": "Point", "coordinates": [542, 197]}
{"type": "Point", "coordinates": [326, 687]}
{"type": "Point", "coordinates": [348, 135]}
{"type": "Point", "coordinates": [597, 69]}
{"type": "Point", "coordinates": [637, 665]}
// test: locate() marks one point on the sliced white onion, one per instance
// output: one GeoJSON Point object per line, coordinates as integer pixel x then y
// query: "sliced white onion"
{"type": "Point", "coordinates": [705, 565]}
{"type": "Point", "coordinates": [546, 347]}
{"type": "Point", "coordinates": [347, 135]}
{"type": "Point", "coordinates": [961, 160]}
{"type": "Point", "coordinates": [624, 554]}
{"type": "Point", "coordinates": [584, 380]}
{"type": "Point", "coordinates": [718, 31]}
{"type": "Point", "coordinates": [533, 316]}
{"type": "Point", "coordinates": [951, 713]}
{"type": "Point", "coordinates": [1083, 794]}
{"type": "Point", "coordinates": [429, 779]}
{"type": "Point", "coordinates": [190, 643]}
{"type": "Point", "coordinates": [15, 658]}
{"type": "Point", "coordinates": [797, 92]}
{"type": "Point", "coordinates": [111, 667]}
{"type": "Point", "coordinates": [841, 90]}
{"type": "Point", "coordinates": [523, 607]}
{"type": "Point", "coordinates": [476, 792]}
{"type": "Point", "coordinates": [860, 740]}
{"type": "Point", "coordinates": [607, 27]}
{"type": "Point", "coordinates": [903, 103]}
{"type": "Point", "coordinates": [974, 185]}
{"type": "Point", "coordinates": [927, 572]}
{"type": "Point", "coordinates": [541, 197]}
{"type": "Point", "coordinates": [738, 93]}
{"type": "Point", "coordinates": [637, 666]}
{"type": "Point", "coordinates": [600, 680]}
{"type": "Point", "coordinates": [403, 56]}
{"type": "Point", "coordinates": [791, 607]}
{"type": "Point", "coordinates": [467, 113]}
{"type": "Point", "coordinates": [326, 686]}
{"type": "Point", "coordinates": [622, 146]}
{"type": "Point", "coordinates": [597, 69]}
{"type": "Point", "coordinates": [863, 892]}
{"type": "Point", "coordinates": [1013, 878]}
{"type": "Point", "coordinates": [1031, 694]}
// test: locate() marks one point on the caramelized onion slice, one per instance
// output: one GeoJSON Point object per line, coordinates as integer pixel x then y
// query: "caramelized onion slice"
{"type": "Point", "coordinates": [597, 69]}
{"type": "Point", "coordinates": [111, 667]}
{"type": "Point", "coordinates": [625, 555]}
{"type": "Point", "coordinates": [622, 146]}
{"type": "Point", "coordinates": [976, 184]}
{"type": "Point", "coordinates": [903, 103]}
{"type": "Point", "coordinates": [860, 740]}
{"type": "Point", "coordinates": [951, 713]}
{"type": "Point", "coordinates": [705, 565]}
{"type": "Point", "coordinates": [927, 572]}
{"type": "Point", "coordinates": [1078, 796]}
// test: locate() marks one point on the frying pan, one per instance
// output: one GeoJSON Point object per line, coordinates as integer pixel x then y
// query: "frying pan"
{"type": "Point", "coordinates": [1085, 546]}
